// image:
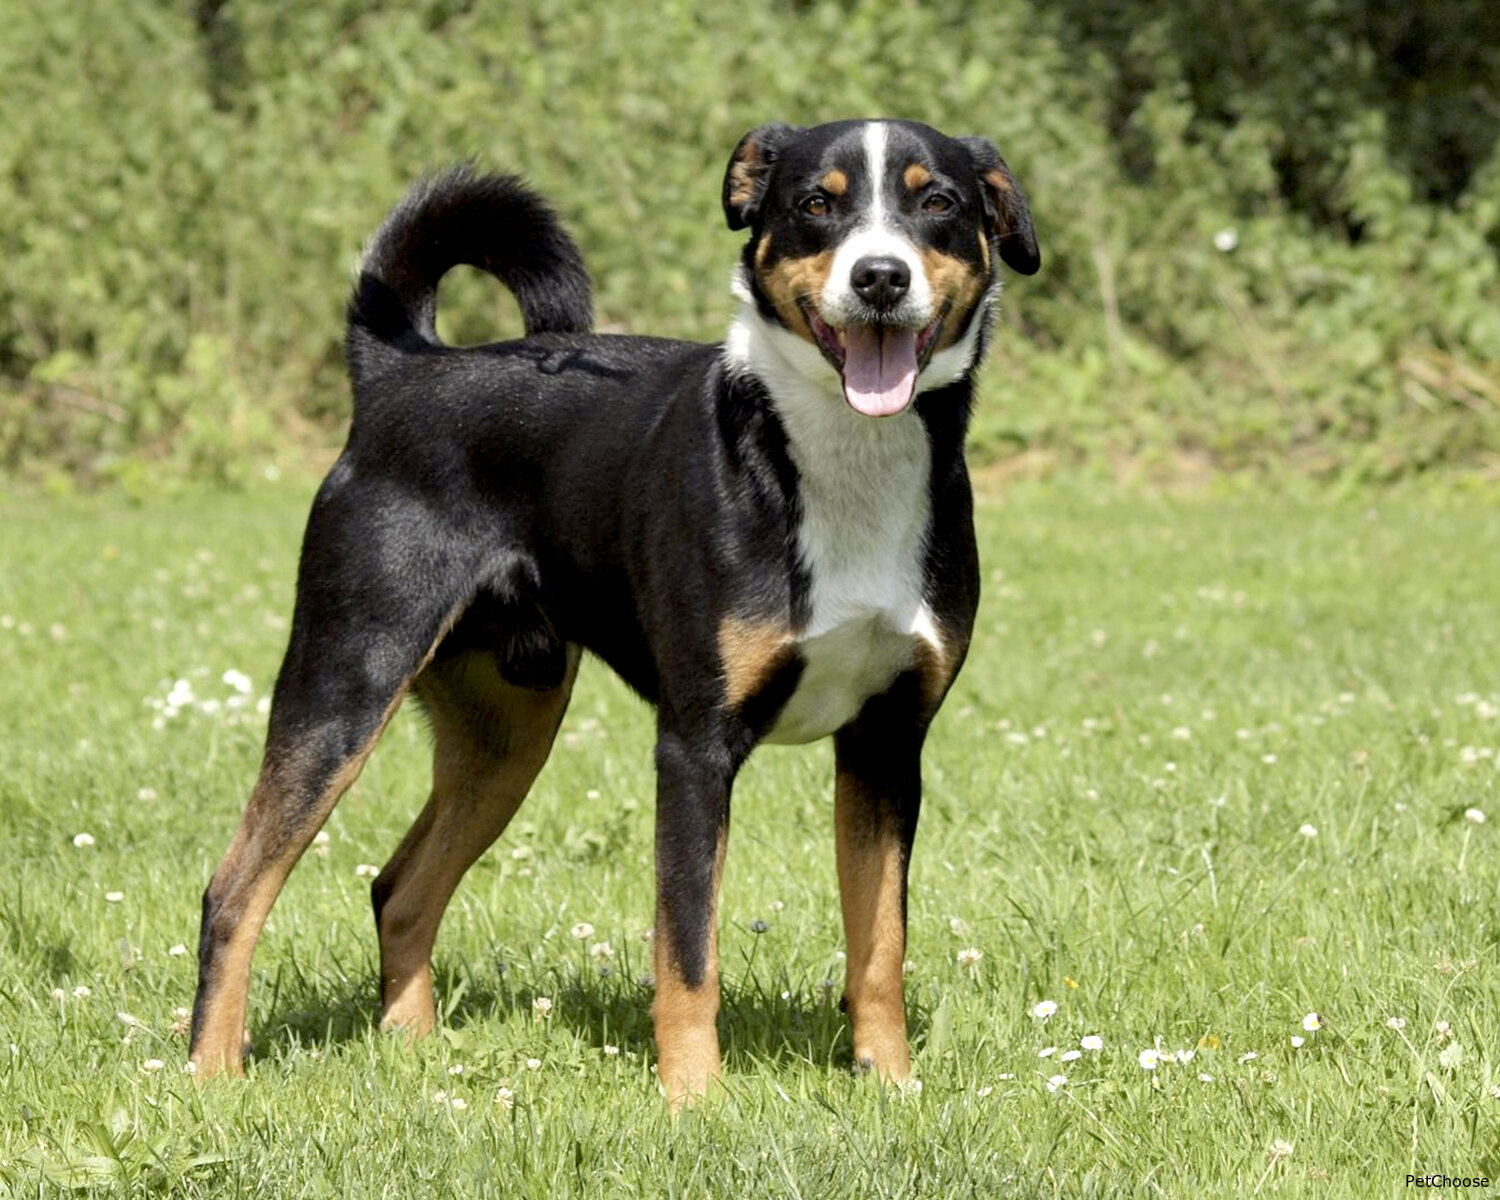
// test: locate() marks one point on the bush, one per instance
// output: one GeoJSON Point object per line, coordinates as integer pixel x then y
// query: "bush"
{"type": "Point", "coordinates": [1228, 282]}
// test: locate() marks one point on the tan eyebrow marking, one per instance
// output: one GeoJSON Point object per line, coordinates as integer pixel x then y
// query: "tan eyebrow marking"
{"type": "Point", "coordinates": [835, 182]}
{"type": "Point", "coordinates": [915, 176]}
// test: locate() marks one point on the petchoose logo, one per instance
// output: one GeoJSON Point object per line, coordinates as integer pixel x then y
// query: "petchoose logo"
{"type": "Point", "coordinates": [1448, 1181]}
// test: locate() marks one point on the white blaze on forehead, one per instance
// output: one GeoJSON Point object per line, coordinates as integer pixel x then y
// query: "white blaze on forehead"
{"type": "Point", "coordinates": [875, 164]}
{"type": "Point", "coordinates": [793, 369]}
{"type": "Point", "coordinates": [876, 237]}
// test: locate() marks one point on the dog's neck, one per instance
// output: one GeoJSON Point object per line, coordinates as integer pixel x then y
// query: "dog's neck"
{"type": "Point", "coordinates": [864, 483]}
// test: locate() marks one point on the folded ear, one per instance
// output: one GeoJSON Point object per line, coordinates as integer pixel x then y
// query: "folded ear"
{"type": "Point", "coordinates": [1005, 207]}
{"type": "Point", "coordinates": [749, 168]}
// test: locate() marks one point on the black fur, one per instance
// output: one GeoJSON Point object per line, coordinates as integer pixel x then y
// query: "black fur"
{"type": "Point", "coordinates": [626, 495]}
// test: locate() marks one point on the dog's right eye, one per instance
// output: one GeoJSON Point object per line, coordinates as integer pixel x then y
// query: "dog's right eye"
{"type": "Point", "coordinates": [816, 206]}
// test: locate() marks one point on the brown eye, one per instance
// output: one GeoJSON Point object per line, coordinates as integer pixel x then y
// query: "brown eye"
{"type": "Point", "coordinates": [937, 203]}
{"type": "Point", "coordinates": [816, 206]}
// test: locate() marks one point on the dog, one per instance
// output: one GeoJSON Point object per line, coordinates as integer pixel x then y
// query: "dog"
{"type": "Point", "coordinates": [770, 539]}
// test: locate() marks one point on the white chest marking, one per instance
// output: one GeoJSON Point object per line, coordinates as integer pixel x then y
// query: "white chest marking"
{"type": "Point", "coordinates": [876, 236]}
{"type": "Point", "coordinates": [863, 486]}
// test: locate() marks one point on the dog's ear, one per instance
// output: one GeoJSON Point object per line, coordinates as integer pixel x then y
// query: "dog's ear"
{"type": "Point", "coordinates": [1005, 208]}
{"type": "Point", "coordinates": [749, 167]}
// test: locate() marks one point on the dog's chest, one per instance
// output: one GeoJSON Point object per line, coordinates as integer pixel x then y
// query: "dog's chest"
{"type": "Point", "coordinates": [864, 497]}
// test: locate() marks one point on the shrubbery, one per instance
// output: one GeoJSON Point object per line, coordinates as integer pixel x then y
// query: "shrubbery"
{"type": "Point", "coordinates": [1264, 246]}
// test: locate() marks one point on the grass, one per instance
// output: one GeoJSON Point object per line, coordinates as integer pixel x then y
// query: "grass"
{"type": "Point", "coordinates": [1206, 773]}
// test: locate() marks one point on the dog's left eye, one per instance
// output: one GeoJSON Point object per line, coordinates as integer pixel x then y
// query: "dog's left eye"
{"type": "Point", "coordinates": [816, 206]}
{"type": "Point", "coordinates": [937, 203]}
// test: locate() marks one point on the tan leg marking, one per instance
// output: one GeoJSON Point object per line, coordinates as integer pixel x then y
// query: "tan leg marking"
{"type": "Point", "coordinates": [251, 875]}
{"type": "Point", "coordinates": [685, 1017]}
{"type": "Point", "coordinates": [750, 652]}
{"type": "Point", "coordinates": [221, 1043]}
{"type": "Point", "coordinates": [791, 280]}
{"type": "Point", "coordinates": [835, 182]}
{"type": "Point", "coordinates": [915, 176]}
{"type": "Point", "coordinates": [491, 740]}
{"type": "Point", "coordinates": [872, 871]}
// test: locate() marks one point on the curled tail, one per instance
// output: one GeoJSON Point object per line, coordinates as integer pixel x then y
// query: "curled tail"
{"type": "Point", "coordinates": [493, 222]}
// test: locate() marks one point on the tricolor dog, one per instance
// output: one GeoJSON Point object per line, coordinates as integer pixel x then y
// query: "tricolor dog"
{"type": "Point", "coordinates": [770, 539]}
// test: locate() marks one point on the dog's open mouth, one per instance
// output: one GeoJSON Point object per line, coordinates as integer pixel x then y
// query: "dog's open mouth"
{"type": "Point", "coordinates": [878, 363]}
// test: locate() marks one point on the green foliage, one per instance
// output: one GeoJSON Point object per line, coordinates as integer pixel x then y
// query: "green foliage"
{"type": "Point", "coordinates": [181, 206]}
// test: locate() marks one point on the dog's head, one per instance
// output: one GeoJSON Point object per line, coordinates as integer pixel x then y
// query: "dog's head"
{"type": "Point", "coordinates": [875, 243]}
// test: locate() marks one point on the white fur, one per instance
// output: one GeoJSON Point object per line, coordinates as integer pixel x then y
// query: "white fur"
{"type": "Point", "coordinates": [864, 482]}
{"type": "Point", "coordinates": [952, 363]}
{"type": "Point", "coordinates": [875, 238]}
{"type": "Point", "coordinates": [864, 491]}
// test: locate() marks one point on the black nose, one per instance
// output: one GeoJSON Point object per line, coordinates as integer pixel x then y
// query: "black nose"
{"type": "Point", "coordinates": [880, 282]}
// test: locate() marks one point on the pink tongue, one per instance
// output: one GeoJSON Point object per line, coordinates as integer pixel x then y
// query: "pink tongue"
{"type": "Point", "coordinates": [880, 369]}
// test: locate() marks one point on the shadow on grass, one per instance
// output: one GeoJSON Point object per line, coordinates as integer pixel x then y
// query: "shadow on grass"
{"type": "Point", "coordinates": [760, 1021]}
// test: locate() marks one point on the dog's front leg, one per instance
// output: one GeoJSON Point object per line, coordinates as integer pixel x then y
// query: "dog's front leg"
{"type": "Point", "coordinates": [877, 795]}
{"type": "Point", "coordinates": [694, 775]}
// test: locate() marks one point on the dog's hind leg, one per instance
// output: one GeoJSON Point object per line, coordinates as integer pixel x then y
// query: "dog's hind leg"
{"type": "Point", "coordinates": [372, 605]}
{"type": "Point", "coordinates": [491, 738]}
{"type": "Point", "coordinates": [305, 771]}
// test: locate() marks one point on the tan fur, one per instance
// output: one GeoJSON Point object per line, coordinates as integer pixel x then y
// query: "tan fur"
{"type": "Point", "coordinates": [937, 665]}
{"type": "Point", "coordinates": [251, 875]}
{"type": "Point", "coordinates": [998, 181]}
{"type": "Point", "coordinates": [835, 182]}
{"type": "Point", "coordinates": [685, 1017]}
{"type": "Point", "coordinates": [744, 172]}
{"type": "Point", "coordinates": [762, 249]}
{"type": "Point", "coordinates": [249, 878]}
{"type": "Point", "coordinates": [491, 738]}
{"type": "Point", "coordinates": [915, 176]}
{"type": "Point", "coordinates": [792, 279]}
{"type": "Point", "coordinates": [1003, 188]}
{"type": "Point", "coordinates": [750, 652]}
{"type": "Point", "coordinates": [871, 869]}
{"type": "Point", "coordinates": [955, 283]}
{"type": "Point", "coordinates": [221, 1043]}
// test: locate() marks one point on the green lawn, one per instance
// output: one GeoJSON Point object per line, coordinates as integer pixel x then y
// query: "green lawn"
{"type": "Point", "coordinates": [1206, 773]}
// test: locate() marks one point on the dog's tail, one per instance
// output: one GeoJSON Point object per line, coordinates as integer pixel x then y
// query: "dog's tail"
{"type": "Point", "coordinates": [493, 222]}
